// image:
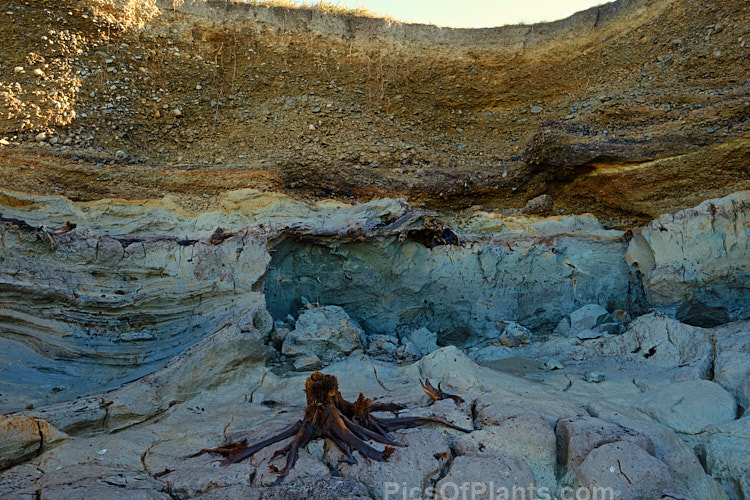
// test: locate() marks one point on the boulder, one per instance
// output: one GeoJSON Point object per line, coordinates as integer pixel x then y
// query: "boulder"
{"type": "Point", "coordinates": [527, 438]}
{"type": "Point", "coordinates": [487, 478]}
{"type": "Point", "coordinates": [382, 345]}
{"type": "Point", "coordinates": [588, 317]}
{"type": "Point", "coordinates": [659, 341]}
{"type": "Point", "coordinates": [408, 469]}
{"type": "Point", "coordinates": [22, 438]}
{"type": "Point", "coordinates": [325, 331]}
{"type": "Point", "coordinates": [688, 407]}
{"type": "Point", "coordinates": [513, 334]}
{"type": "Point", "coordinates": [539, 205]}
{"type": "Point", "coordinates": [732, 366]}
{"type": "Point", "coordinates": [578, 436]}
{"type": "Point", "coordinates": [626, 468]}
{"type": "Point", "coordinates": [420, 343]}
{"type": "Point", "coordinates": [727, 452]}
{"type": "Point", "coordinates": [700, 257]}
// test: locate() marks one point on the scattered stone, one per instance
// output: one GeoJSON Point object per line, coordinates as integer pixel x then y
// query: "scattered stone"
{"type": "Point", "coordinates": [536, 110]}
{"type": "Point", "coordinates": [563, 327]}
{"type": "Point", "coordinates": [621, 316]}
{"type": "Point", "coordinates": [18, 69]}
{"type": "Point", "coordinates": [40, 137]}
{"type": "Point", "coordinates": [491, 353]}
{"type": "Point", "coordinates": [307, 362]}
{"type": "Point", "coordinates": [612, 328]}
{"type": "Point", "coordinates": [420, 343]}
{"type": "Point", "coordinates": [382, 345]}
{"type": "Point", "coordinates": [326, 331]}
{"type": "Point", "coordinates": [513, 334]}
{"type": "Point", "coordinates": [539, 205]}
{"type": "Point", "coordinates": [589, 334]}
{"type": "Point", "coordinates": [551, 364]}
{"type": "Point", "coordinates": [588, 317]}
{"type": "Point", "coordinates": [177, 112]}
{"type": "Point", "coordinates": [593, 377]}
{"type": "Point", "coordinates": [39, 72]}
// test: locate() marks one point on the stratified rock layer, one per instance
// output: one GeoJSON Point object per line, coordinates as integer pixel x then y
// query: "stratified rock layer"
{"type": "Point", "coordinates": [698, 260]}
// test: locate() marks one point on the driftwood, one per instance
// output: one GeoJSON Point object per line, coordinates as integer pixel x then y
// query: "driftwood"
{"type": "Point", "coordinates": [348, 425]}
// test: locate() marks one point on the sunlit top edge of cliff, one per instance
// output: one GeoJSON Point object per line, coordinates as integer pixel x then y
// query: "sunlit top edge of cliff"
{"type": "Point", "coordinates": [366, 12]}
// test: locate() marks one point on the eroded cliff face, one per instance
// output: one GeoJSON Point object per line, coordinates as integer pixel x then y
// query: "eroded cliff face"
{"type": "Point", "coordinates": [628, 110]}
{"type": "Point", "coordinates": [131, 286]}
{"type": "Point", "coordinates": [146, 332]}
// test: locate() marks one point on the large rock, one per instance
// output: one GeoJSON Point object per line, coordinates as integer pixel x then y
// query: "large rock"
{"type": "Point", "coordinates": [690, 478]}
{"type": "Point", "coordinates": [527, 438]}
{"type": "Point", "coordinates": [22, 438]}
{"type": "Point", "coordinates": [326, 331]}
{"type": "Point", "coordinates": [659, 341]}
{"type": "Point", "coordinates": [625, 471]}
{"type": "Point", "coordinates": [698, 256]}
{"type": "Point", "coordinates": [409, 469]}
{"type": "Point", "coordinates": [83, 312]}
{"type": "Point", "coordinates": [688, 407]}
{"type": "Point", "coordinates": [732, 366]}
{"type": "Point", "coordinates": [487, 478]}
{"type": "Point", "coordinates": [420, 343]}
{"type": "Point", "coordinates": [727, 452]}
{"type": "Point", "coordinates": [578, 436]}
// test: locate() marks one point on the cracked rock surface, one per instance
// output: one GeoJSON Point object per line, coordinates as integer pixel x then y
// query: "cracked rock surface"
{"type": "Point", "coordinates": [668, 400]}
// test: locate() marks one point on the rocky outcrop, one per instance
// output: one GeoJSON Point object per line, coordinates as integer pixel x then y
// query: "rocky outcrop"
{"type": "Point", "coordinates": [503, 268]}
{"type": "Point", "coordinates": [514, 418]}
{"type": "Point", "coordinates": [697, 261]}
{"type": "Point", "coordinates": [564, 148]}
{"type": "Point", "coordinates": [732, 365]}
{"type": "Point", "coordinates": [403, 283]}
{"type": "Point", "coordinates": [659, 341]}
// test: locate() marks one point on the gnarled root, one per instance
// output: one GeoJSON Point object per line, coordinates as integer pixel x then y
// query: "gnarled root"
{"type": "Point", "coordinates": [329, 415]}
{"type": "Point", "coordinates": [436, 393]}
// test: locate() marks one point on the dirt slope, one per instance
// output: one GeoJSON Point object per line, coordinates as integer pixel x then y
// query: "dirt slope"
{"type": "Point", "coordinates": [627, 111]}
